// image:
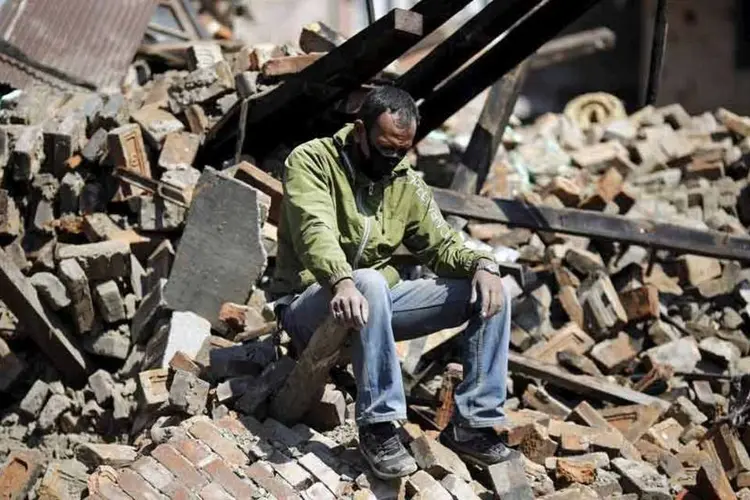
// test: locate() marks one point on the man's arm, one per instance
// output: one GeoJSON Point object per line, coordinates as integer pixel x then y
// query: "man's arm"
{"type": "Point", "coordinates": [312, 220]}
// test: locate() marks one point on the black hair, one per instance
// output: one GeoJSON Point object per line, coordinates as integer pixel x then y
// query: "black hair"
{"type": "Point", "coordinates": [388, 99]}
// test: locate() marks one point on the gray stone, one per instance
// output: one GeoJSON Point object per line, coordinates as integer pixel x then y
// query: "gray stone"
{"type": "Point", "coordinates": [721, 351]}
{"type": "Point", "coordinates": [156, 124]}
{"type": "Point", "coordinates": [75, 280]}
{"type": "Point", "coordinates": [100, 261]}
{"type": "Point", "coordinates": [321, 471]}
{"type": "Point", "coordinates": [114, 455]}
{"type": "Point", "coordinates": [51, 290]}
{"type": "Point", "coordinates": [155, 473]}
{"type": "Point", "coordinates": [152, 308]}
{"type": "Point", "coordinates": [109, 301]}
{"type": "Point", "coordinates": [201, 85]}
{"type": "Point", "coordinates": [185, 178]}
{"type": "Point", "coordinates": [458, 488]}
{"type": "Point", "coordinates": [114, 113]}
{"type": "Point", "coordinates": [273, 430]}
{"type": "Point", "coordinates": [131, 305]}
{"type": "Point", "coordinates": [44, 216]}
{"type": "Point", "coordinates": [185, 332]}
{"type": "Point", "coordinates": [682, 355]}
{"type": "Point", "coordinates": [240, 359]}
{"type": "Point", "coordinates": [509, 480]}
{"type": "Point", "coordinates": [188, 393]}
{"type": "Point", "coordinates": [291, 471]}
{"type": "Point", "coordinates": [731, 319]}
{"type": "Point", "coordinates": [70, 192]}
{"type": "Point", "coordinates": [35, 399]}
{"type": "Point", "coordinates": [642, 478]}
{"type": "Point", "coordinates": [156, 214]}
{"type": "Point", "coordinates": [95, 149]}
{"type": "Point", "coordinates": [110, 344]}
{"type": "Point", "coordinates": [221, 253]}
{"type": "Point", "coordinates": [137, 274]}
{"type": "Point", "coordinates": [438, 460]}
{"type": "Point", "coordinates": [607, 484]}
{"type": "Point", "coordinates": [424, 487]}
{"type": "Point", "coordinates": [56, 405]}
{"type": "Point", "coordinates": [28, 153]}
{"type": "Point", "coordinates": [102, 386]}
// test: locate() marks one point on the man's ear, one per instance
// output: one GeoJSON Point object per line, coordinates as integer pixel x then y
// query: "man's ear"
{"type": "Point", "coordinates": [359, 130]}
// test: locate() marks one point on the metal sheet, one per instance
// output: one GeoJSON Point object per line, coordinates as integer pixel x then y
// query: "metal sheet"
{"type": "Point", "coordinates": [93, 41]}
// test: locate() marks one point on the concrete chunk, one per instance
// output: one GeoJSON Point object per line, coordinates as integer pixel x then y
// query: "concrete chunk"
{"type": "Point", "coordinates": [509, 480]}
{"type": "Point", "coordinates": [35, 399]}
{"type": "Point", "coordinates": [683, 354]}
{"type": "Point", "coordinates": [185, 332]}
{"type": "Point", "coordinates": [110, 344]}
{"type": "Point", "coordinates": [188, 393]}
{"type": "Point", "coordinates": [102, 385]}
{"type": "Point", "coordinates": [423, 486]}
{"type": "Point", "coordinates": [100, 261]}
{"type": "Point", "coordinates": [221, 253]}
{"type": "Point", "coordinates": [114, 455]}
{"type": "Point", "coordinates": [56, 405]}
{"type": "Point", "coordinates": [152, 387]}
{"type": "Point", "coordinates": [156, 124]}
{"type": "Point", "coordinates": [438, 460]}
{"type": "Point", "coordinates": [152, 308]}
{"type": "Point", "coordinates": [75, 280]}
{"type": "Point", "coordinates": [109, 301]}
{"type": "Point", "coordinates": [51, 290]}
{"type": "Point", "coordinates": [642, 478]}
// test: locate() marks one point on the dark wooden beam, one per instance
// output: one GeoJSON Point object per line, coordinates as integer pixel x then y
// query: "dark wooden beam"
{"type": "Point", "coordinates": [568, 47]}
{"type": "Point", "coordinates": [519, 43]}
{"type": "Point", "coordinates": [488, 132]}
{"type": "Point", "coordinates": [468, 40]}
{"type": "Point", "coordinates": [308, 378]}
{"type": "Point", "coordinates": [646, 233]}
{"type": "Point", "coordinates": [581, 384]}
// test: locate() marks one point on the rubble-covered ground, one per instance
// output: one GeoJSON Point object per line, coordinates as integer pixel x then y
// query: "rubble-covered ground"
{"type": "Point", "coordinates": [136, 354]}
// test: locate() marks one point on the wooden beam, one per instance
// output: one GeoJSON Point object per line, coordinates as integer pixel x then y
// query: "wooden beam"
{"type": "Point", "coordinates": [581, 384]}
{"type": "Point", "coordinates": [473, 36]}
{"type": "Point", "coordinates": [308, 378]}
{"type": "Point", "coordinates": [520, 42]}
{"type": "Point", "coordinates": [646, 233]}
{"type": "Point", "coordinates": [567, 47]}
{"type": "Point", "coordinates": [42, 326]}
{"type": "Point", "coordinates": [488, 132]}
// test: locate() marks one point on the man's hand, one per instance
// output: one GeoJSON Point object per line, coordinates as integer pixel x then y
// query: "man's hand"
{"type": "Point", "coordinates": [348, 306]}
{"type": "Point", "coordinates": [490, 287]}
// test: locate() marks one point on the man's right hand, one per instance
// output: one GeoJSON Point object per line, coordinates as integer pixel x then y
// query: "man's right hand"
{"type": "Point", "coordinates": [348, 306]}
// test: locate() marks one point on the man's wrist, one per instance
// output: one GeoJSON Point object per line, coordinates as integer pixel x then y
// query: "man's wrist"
{"type": "Point", "coordinates": [488, 265]}
{"type": "Point", "coordinates": [342, 283]}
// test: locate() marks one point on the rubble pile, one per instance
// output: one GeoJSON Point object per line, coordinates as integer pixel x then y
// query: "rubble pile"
{"type": "Point", "coordinates": [139, 356]}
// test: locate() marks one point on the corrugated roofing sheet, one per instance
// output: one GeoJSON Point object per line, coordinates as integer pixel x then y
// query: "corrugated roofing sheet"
{"type": "Point", "coordinates": [91, 40]}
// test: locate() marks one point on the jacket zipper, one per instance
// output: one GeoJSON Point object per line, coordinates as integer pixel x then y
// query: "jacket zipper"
{"type": "Point", "coordinates": [368, 227]}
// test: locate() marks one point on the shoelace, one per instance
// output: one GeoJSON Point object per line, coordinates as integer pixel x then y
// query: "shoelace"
{"type": "Point", "coordinates": [490, 442]}
{"type": "Point", "coordinates": [386, 444]}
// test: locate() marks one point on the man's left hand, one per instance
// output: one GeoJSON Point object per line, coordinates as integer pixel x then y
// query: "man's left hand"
{"type": "Point", "coordinates": [489, 287]}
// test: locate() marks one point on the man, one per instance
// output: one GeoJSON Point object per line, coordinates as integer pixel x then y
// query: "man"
{"type": "Point", "coordinates": [349, 202]}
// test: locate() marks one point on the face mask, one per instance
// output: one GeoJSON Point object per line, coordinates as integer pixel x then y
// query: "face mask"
{"type": "Point", "coordinates": [380, 163]}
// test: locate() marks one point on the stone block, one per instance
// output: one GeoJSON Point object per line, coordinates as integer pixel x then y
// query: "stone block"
{"type": "Point", "coordinates": [509, 480]}
{"type": "Point", "coordinates": [102, 385]}
{"type": "Point", "coordinates": [28, 153]}
{"type": "Point", "coordinates": [423, 486]}
{"type": "Point", "coordinates": [179, 151]}
{"type": "Point", "coordinates": [438, 460]}
{"type": "Point", "coordinates": [35, 399]}
{"type": "Point", "coordinates": [642, 479]}
{"type": "Point", "coordinates": [114, 455]}
{"type": "Point", "coordinates": [152, 387]}
{"type": "Point", "coordinates": [50, 290]}
{"type": "Point", "coordinates": [152, 308]}
{"type": "Point", "coordinates": [109, 301]}
{"type": "Point", "coordinates": [56, 405]}
{"type": "Point", "coordinates": [100, 261]}
{"type": "Point", "coordinates": [188, 393]}
{"type": "Point", "coordinates": [682, 355]}
{"type": "Point", "coordinates": [215, 265]}
{"type": "Point", "coordinates": [156, 124]}
{"type": "Point", "coordinates": [184, 332]}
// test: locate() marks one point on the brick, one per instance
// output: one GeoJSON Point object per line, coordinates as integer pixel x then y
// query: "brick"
{"type": "Point", "coordinates": [56, 405]}
{"type": "Point", "coordinates": [722, 352]}
{"type": "Point", "coordinates": [201, 85]}
{"type": "Point", "coordinates": [666, 434]}
{"type": "Point", "coordinates": [214, 491]}
{"type": "Point", "coordinates": [565, 190]}
{"type": "Point", "coordinates": [536, 444]}
{"type": "Point", "coordinates": [603, 311]}
{"type": "Point", "coordinates": [225, 448]}
{"type": "Point", "coordinates": [578, 363]}
{"type": "Point", "coordinates": [18, 474]}
{"type": "Point", "coordinates": [696, 269]}
{"type": "Point", "coordinates": [179, 466]}
{"type": "Point", "coordinates": [156, 124]}
{"type": "Point", "coordinates": [539, 399]}
{"type": "Point", "coordinates": [109, 301]}
{"type": "Point", "coordinates": [115, 455]}
{"type": "Point", "coordinates": [642, 479]}
{"type": "Point", "coordinates": [633, 421]}
{"type": "Point", "coordinates": [152, 387]}
{"type": "Point", "coordinates": [188, 393]}
{"type": "Point", "coordinates": [11, 366]}
{"type": "Point", "coordinates": [613, 355]}
{"type": "Point", "coordinates": [571, 305]}
{"type": "Point", "coordinates": [10, 219]}
{"type": "Point", "coordinates": [423, 486]}
{"type": "Point", "coordinates": [102, 385]}
{"type": "Point", "coordinates": [127, 151]}
{"type": "Point", "coordinates": [134, 485]}
{"type": "Point", "coordinates": [641, 303]}
{"type": "Point", "coordinates": [155, 473]}
{"type": "Point", "coordinates": [184, 332]}
{"type": "Point", "coordinates": [110, 344]}
{"type": "Point", "coordinates": [63, 479]}
{"type": "Point", "coordinates": [328, 412]}
{"type": "Point", "coordinates": [181, 361]}
{"type": "Point", "coordinates": [159, 263]}
{"type": "Point", "coordinates": [731, 451]}
{"type": "Point", "coordinates": [438, 460]}
{"type": "Point", "coordinates": [509, 480]}
{"type": "Point", "coordinates": [599, 459]}
{"type": "Point", "coordinates": [458, 488]}
{"type": "Point", "coordinates": [223, 475]}
{"type": "Point", "coordinates": [738, 124]}
{"type": "Point", "coordinates": [197, 452]}
{"type": "Point", "coordinates": [600, 157]}
{"type": "Point", "coordinates": [685, 412]}
{"type": "Point", "coordinates": [321, 471]}
{"type": "Point", "coordinates": [152, 308]}
{"type": "Point", "coordinates": [100, 261]}
{"type": "Point", "coordinates": [568, 338]}
{"type": "Point", "coordinates": [28, 153]}
{"type": "Point", "coordinates": [287, 65]}
{"type": "Point", "coordinates": [291, 471]}
{"type": "Point", "coordinates": [276, 431]}
{"type": "Point", "coordinates": [578, 471]}
{"type": "Point", "coordinates": [77, 284]}
{"type": "Point", "coordinates": [51, 290]}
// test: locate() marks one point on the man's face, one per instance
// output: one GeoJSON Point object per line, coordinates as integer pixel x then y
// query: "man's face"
{"type": "Point", "coordinates": [388, 141]}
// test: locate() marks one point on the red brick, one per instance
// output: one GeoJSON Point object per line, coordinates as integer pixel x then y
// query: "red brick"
{"type": "Point", "coordinates": [19, 473]}
{"type": "Point", "coordinates": [226, 449]}
{"type": "Point", "coordinates": [179, 492]}
{"type": "Point", "coordinates": [273, 485]}
{"type": "Point", "coordinates": [179, 466]}
{"type": "Point", "coordinates": [214, 491]}
{"type": "Point", "coordinates": [223, 475]}
{"type": "Point", "coordinates": [134, 485]}
{"type": "Point", "coordinates": [194, 450]}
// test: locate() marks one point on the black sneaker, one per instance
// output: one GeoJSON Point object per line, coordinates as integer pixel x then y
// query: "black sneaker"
{"type": "Point", "coordinates": [481, 447]}
{"type": "Point", "coordinates": [383, 450]}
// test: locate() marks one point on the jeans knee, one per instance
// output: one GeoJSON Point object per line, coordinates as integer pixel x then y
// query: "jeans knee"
{"type": "Point", "coordinates": [370, 281]}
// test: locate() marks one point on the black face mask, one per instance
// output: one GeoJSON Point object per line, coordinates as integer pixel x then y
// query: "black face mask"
{"type": "Point", "coordinates": [379, 164]}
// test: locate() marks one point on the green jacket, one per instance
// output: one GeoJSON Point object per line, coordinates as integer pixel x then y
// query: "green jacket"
{"type": "Point", "coordinates": [334, 220]}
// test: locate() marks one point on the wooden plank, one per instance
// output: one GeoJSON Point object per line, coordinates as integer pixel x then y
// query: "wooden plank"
{"type": "Point", "coordinates": [43, 327]}
{"type": "Point", "coordinates": [581, 384]}
{"type": "Point", "coordinates": [644, 233]}
{"type": "Point", "coordinates": [309, 376]}
{"type": "Point", "coordinates": [567, 47]}
{"type": "Point", "coordinates": [288, 65]}
{"type": "Point", "coordinates": [520, 42]}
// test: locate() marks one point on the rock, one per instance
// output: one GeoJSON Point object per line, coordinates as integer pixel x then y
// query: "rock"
{"type": "Point", "coordinates": [56, 405]}
{"type": "Point", "coordinates": [102, 385]}
{"type": "Point", "coordinates": [642, 478]}
{"type": "Point", "coordinates": [100, 261]}
{"type": "Point", "coordinates": [328, 412]}
{"type": "Point", "coordinates": [438, 460]}
{"type": "Point", "coordinates": [509, 480]}
{"type": "Point", "coordinates": [458, 488]}
{"type": "Point", "coordinates": [109, 301]}
{"type": "Point", "coordinates": [569, 471]}
{"type": "Point", "coordinates": [114, 455]}
{"type": "Point", "coordinates": [185, 332]}
{"type": "Point", "coordinates": [75, 280]}
{"type": "Point", "coordinates": [35, 399]}
{"type": "Point", "coordinates": [111, 344]}
{"type": "Point", "coordinates": [422, 486]}
{"type": "Point", "coordinates": [682, 355]}
{"type": "Point", "coordinates": [188, 393]}
{"type": "Point", "coordinates": [721, 351]}
{"type": "Point", "coordinates": [51, 290]}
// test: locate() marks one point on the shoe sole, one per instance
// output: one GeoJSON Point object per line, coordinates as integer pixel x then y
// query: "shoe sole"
{"type": "Point", "coordinates": [384, 475]}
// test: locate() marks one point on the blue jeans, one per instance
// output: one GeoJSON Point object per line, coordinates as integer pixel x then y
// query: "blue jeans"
{"type": "Point", "coordinates": [413, 309]}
